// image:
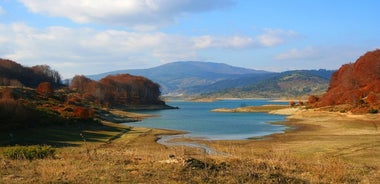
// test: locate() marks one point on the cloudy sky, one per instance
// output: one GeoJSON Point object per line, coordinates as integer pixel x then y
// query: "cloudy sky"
{"type": "Point", "coordinates": [95, 36]}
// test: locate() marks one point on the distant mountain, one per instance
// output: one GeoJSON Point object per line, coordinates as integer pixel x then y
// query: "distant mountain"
{"type": "Point", "coordinates": [286, 84]}
{"type": "Point", "coordinates": [191, 77]}
{"type": "Point", "coordinates": [233, 82]}
{"type": "Point", "coordinates": [221, 80]}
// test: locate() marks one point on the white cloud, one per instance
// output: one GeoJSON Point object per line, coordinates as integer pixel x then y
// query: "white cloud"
{"type": "Point", "coordinates": [231, 42]}
{"type": "Point", "coordinates": [240, 42]}
{"type": "Point", "coordinates": [139, 14]}
{"type": "Point", "coordinates": [87, 50]}
{"type": "Point", "coordinates": [316, 57]}
{"type": "Point", "coordinates": [2, 11]}
{"type": "Point", "coordinates": [306, 53]}
{"type": "Point", "coordinates": [202, 42]}
{"type": "Point", "coordinates": [268, 38]}
{"type": "Point", "coordinates": [272, 37]}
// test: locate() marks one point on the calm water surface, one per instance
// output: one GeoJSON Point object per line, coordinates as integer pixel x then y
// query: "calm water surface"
{"type": "Point", "coordinates": [197, 119]}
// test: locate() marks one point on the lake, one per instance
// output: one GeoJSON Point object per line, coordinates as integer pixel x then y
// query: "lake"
{"type": "Point", "coordinates": [197, 119]}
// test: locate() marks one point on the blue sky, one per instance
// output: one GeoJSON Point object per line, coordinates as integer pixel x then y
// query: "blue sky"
{"type": "Point", "coordinates": [95, 36]}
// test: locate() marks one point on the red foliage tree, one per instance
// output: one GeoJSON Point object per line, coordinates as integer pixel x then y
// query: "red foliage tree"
{"type": "Point", "coordinates": [45, 89]}
{"type": "Point", "coordinates": [14, 74]}
{"type": "Point", "coordinates": [83, 113]}
{"type": "Point", "coordinates": [373, 100]}
{"type": "Point", "coordinates": [122, 89]}
{"type": "Point", "coordinates": [354, 82]}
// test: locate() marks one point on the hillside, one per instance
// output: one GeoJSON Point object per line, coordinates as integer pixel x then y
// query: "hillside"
{"type": "Point", "coordinates": [356, 85]}
{"type": "Point", "coordinates": [280, 85]}
{"type": "Point", "coordinates": [122, 90]}
{"type": "Point", "coordinates": [206, 79]}
{"type": "Point", "coordinates": [35, 97]}
{"type": "Point", "coordinates": [189, 77]}
{"type": "Point", "coordinates": [14, 74]}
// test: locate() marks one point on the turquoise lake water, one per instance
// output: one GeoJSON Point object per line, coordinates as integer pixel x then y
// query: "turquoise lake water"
{"type": "Point", "coordinates": [197, 119]}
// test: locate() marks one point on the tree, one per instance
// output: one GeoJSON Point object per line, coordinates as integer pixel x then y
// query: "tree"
{"type": "Point", "coordinates": [46, 71]}
{"type": "Point", "coordinates": [45, 89]}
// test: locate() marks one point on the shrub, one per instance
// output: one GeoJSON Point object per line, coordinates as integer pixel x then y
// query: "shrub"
{"type": "Point", "coordinates": [373, 111]}
{"type": "Point", "coordinates": [45, 89]}
{"type": "Point", "coordinates": [29, 152]}
{"type": "Point", "coordinates": [83, 113]}
{"type": "Point", "coordinates": [13, 114]}
{"type": "Point", "coordinates": [312, 99]}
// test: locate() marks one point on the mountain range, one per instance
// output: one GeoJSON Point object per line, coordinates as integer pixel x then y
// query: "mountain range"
{"type": "Point", "coordinates": [222, 80]}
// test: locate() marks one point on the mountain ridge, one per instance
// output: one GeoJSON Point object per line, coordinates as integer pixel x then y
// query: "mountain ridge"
{"type": "Point", "coordinates": [199, 78]}
{"type": "Point", "coordinates": [178, 77]}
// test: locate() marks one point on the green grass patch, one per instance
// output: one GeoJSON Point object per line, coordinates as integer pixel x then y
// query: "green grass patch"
{"type": "Point", "coordinates": [29, 152]}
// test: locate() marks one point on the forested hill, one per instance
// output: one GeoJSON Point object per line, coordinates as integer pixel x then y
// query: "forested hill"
{"type": "Point", "coordinates": [188, 77]}
{"type": "Point", "coordinates": [112, 90]}
{"type": "Point", "coordinates": [35, 97]}
{"type": "Point", "coordinates": [120, 90]}
{"type": "Point", "coordinates": [221, 80]}
{"type": "Point", "coordinates": [14, 74]}
{"type": "Point", "coordinates": [355, 86]}
{"type": "Point", "coordinates": [287, 84]}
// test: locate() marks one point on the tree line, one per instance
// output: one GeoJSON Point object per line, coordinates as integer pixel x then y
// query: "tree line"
{"type": "Point", "coordinates": [121, 89]}
{"type": "Point", "coordinates": [14, 74]}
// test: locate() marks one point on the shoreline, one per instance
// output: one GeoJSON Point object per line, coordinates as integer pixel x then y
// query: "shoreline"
{"type": "Point", "coordinates": [320, 147]}
{"type": "Point", "coordinates": [297, 121]}
{"type": "Point", "coordinates": [310, 129]}
{"type": "Point", "coordinates": [181, 140]}
{"type": "Point", "coordinates": [146, 107]}
{"type": "Point", "coordinates": [247, 109]}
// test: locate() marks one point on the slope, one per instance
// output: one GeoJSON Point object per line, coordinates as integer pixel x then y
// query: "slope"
{"type": "Point", "coordinates": [187, 77]}
{"type": "Point", "coordinates": [286, 84]}
{"type": "Point", "coordinates": [355, 85]}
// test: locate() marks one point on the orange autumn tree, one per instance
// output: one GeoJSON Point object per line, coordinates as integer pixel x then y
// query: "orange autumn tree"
{"type": "Point", "coordinates": [356, 84]}
{"type": "Point", "coordinates": [45, 89]}
{"type": "Point", "coordinates": [121, 89]}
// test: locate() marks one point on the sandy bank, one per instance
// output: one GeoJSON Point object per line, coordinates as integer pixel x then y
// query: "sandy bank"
{"type": "Point", "coordinates": [353, 138]}
{"type": "Point", "coordinates": [146, 107]}
{"type": "Point", "coordinates": [322, 147]}
{"type": "Point", "coordinates": [263, 108]}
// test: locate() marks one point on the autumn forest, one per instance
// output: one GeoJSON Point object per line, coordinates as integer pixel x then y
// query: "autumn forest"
{"type": "Point", "coordinates": [35, 96]}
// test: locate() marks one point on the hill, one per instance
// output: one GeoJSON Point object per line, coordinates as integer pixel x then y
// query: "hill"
{"type": "Point", "coordinates": [279, 85]}
{"type": "Point", "coordinates": [207, 79]}
{"type": "Point", "coordinates": [35, 97]}
{"type": "Point", "coordinates": [14, 74]}
{"type": "Point", "coordinates": [122, 90]}
{"type": "Point", "coordinates": [356, 85]}
{"type": "Point", "coordinates": [189, 77]}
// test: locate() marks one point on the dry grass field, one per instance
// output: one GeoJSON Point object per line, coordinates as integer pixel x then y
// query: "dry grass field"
{"type": "Point", "coordinates": [319, 147]}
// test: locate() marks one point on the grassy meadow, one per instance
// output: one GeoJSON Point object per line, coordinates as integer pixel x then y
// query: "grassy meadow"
{"type": "Point", "coordinates": [319, 147]}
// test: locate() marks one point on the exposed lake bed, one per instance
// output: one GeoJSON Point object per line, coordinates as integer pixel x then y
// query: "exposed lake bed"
{"type": "Point", "coordinates": [320, 147]}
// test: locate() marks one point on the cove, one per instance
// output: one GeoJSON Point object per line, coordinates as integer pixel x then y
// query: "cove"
{"type": "Point", "coordinates": [197, 119]}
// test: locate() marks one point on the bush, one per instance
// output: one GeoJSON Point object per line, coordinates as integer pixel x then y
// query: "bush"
{"type": "Point", "coordinates": [373, 111]}
{"type": "Point", "coordinates": [29, 152]}
{"type": "Point", "coordinates": [45, 89]}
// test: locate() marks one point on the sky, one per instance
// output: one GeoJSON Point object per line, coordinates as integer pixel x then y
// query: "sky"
{"type": "Point", "coordinates": [95, 36]}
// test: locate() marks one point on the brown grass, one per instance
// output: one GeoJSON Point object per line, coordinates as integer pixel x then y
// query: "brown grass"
{"type": "Point", "coordinates": [325, 148]}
